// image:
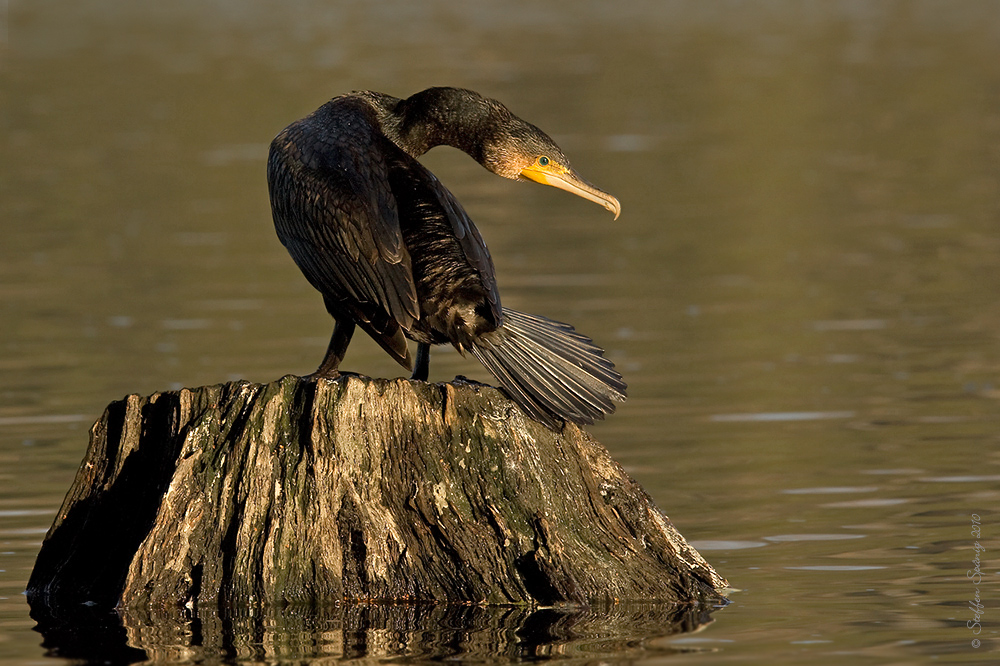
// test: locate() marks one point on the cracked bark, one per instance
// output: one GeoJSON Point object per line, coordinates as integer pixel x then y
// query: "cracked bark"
{"type": "Point", "coordinates": [300, 492]}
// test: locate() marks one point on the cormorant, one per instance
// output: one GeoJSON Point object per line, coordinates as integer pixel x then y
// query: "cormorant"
{"type": "Point", "coordinates": [393, 251]}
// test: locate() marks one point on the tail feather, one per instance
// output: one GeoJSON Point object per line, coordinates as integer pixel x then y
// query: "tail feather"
{"type": "Point", "coordinates": [581, 350]}
{"type": "Point", "coordinates": [546, 389]}
{"type": "Point", "coordinates": [563, 382]}
{"type": "Point", "coordinates": [522, 393]}
{"type": "Point", "coordinates": [554, 373]}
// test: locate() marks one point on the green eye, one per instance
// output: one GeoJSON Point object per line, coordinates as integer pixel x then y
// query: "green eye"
{"type": "Point", "coordinates": [543, 161]}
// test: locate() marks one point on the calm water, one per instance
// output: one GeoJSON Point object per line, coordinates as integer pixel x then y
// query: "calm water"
{"type": "Point", "coordinates": [803, 289]}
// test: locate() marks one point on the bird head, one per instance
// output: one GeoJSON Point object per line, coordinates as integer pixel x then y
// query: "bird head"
{"type": "Point", "coordinates": [496, 138]}
{"type": "Point", "coordinates": [523, 152]}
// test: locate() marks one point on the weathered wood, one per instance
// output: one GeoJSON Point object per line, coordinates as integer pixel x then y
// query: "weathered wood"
{"type": "Point", "coordinates": [306, 492]}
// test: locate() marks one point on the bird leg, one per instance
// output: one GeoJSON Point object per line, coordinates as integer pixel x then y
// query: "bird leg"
{"type": "Point", "coordinates": [343, 329]}
{"type": "Point", "coordinates": [422, 365]}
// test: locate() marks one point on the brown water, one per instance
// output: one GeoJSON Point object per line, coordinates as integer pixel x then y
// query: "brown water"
{"type": "Point", "coordinates": [803, 290]}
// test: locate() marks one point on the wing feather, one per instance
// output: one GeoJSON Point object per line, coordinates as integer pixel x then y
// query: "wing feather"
{"type": "Point", "coordinates": [335, 213]}
{"type": "Point", "coordinates": [463, 229]}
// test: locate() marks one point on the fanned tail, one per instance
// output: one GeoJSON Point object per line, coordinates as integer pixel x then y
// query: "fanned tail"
{"type": "Point", "coordinates": [554, 373]}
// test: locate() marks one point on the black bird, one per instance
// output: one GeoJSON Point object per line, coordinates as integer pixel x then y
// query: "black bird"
{"type": "Point", "coordinates": [393, 251]}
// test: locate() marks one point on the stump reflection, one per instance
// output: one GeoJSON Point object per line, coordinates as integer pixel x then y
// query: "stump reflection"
{"type": "Point", "coordinates": [373, 631]}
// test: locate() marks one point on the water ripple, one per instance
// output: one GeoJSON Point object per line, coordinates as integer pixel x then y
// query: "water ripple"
{"type": "Point", "coordinates": [780, 416]}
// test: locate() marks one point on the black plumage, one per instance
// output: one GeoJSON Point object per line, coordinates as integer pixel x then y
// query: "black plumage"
{"type": "Point", "coordinates": [393, 251]}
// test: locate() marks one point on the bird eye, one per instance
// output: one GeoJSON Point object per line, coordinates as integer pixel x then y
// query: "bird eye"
{"type": "Point", "coordinates": [543, 161]}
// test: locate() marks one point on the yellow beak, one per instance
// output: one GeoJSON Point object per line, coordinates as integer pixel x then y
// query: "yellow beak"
{"type": "Point", "coordinates": [571, 182]}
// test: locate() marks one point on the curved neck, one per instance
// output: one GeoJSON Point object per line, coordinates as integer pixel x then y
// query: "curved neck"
{"type": "Point", "coordinates": [441, 116]}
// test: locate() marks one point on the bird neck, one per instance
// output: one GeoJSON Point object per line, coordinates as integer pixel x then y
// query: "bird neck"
{"type": "Point", "coordinates": [443, 116]}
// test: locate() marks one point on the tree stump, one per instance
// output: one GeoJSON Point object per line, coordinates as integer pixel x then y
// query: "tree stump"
{"type": "Point", "coordinates": [317, 492]}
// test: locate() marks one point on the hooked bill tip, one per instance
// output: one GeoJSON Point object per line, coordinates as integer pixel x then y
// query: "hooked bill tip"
{"type": "Point", "coordinates": [613, 205]}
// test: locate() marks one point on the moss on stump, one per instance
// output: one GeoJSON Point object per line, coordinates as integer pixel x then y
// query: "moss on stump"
{"type": "Point", "coordinates": [303, 492]}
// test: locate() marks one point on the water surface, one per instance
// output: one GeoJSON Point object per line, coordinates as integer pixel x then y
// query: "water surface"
{"type": "Point", "coordinates": [802, 289]}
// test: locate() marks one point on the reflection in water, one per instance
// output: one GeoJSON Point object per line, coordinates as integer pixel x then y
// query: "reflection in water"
{"type": "Point", "coordinates": [379, 631]}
